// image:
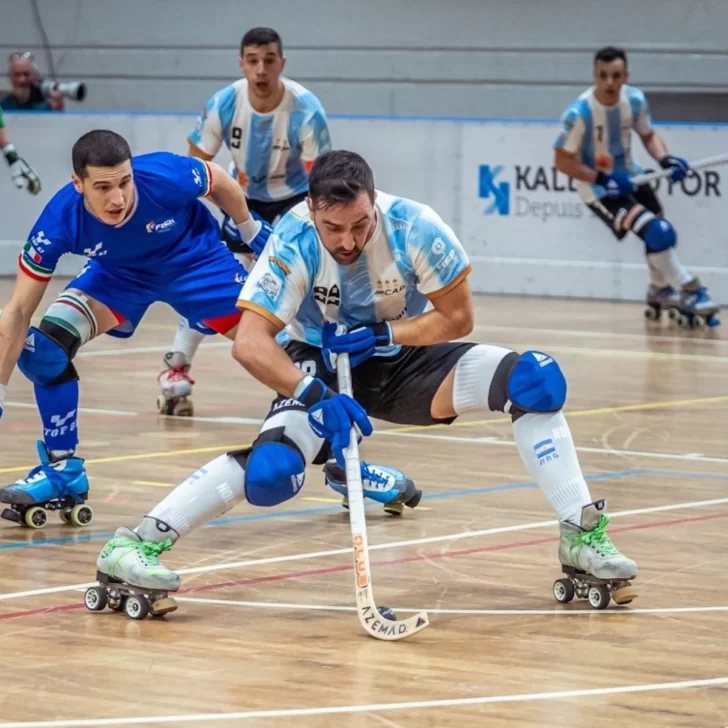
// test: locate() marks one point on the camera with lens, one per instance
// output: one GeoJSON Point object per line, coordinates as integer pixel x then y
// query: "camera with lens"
{"type": "Point", "coordinates": [73, 90]}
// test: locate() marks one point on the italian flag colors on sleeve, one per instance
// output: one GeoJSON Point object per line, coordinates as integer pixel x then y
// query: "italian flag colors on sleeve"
{"type": "Point", "coordinates": [29, 262]}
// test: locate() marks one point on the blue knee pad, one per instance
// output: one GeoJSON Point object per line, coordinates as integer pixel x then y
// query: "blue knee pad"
{"type": "Point", "coordinates": [536, 383]}
{"type": "Point", "coordinates": [659, 235]}
{"type": "Point", "coordinates": [46, 356]}
{"type": "Point", "coordinates": [274, 473]}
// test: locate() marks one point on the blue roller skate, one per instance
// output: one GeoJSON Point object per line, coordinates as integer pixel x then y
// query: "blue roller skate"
{"type": "Point", "coordinates": [696, 310]}
{"type": "Point", "coordinates": [388, 486]}
{"type": "Point", "coordinates": [51, 486]}
{"type": "Point", "coordinates": [659, 299]}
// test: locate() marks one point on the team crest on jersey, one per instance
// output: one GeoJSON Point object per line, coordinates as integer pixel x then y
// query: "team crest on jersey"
{"type": "Point", "coordinates": [270, 285]}
{"type": "Point", "coordinates": [161, 227]}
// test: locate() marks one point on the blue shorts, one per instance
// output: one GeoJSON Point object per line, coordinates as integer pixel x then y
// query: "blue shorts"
{"type": "Point", "coordinates": [205, 291]}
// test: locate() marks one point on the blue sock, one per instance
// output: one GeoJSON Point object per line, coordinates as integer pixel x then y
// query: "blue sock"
{"type": "Point", "coordinates": [58, 407]}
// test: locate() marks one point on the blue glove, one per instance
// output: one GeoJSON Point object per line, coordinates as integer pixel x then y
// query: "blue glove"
{"type": "Point", "coordinates": [331, 416]}
{"type": "Point", "coordinates": [678, 165]}
{"type": "Point", "coordinates": [617, 184]}
{"type": "Point", "coordinates": [360, 343]}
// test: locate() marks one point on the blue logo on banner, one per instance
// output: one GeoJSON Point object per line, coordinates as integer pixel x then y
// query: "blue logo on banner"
{"type": "Point", "coordinates": [500, 192]}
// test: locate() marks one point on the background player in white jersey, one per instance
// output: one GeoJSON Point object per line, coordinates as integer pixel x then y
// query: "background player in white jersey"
{"type": "Point", "coordinates": [354, 256]}
{"type": "Point", "coordinates": [274, 129]}
{"type": "Point", "coordinates": [594, 147]}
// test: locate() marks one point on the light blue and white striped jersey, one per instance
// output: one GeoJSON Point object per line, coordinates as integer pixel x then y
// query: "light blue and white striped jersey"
{"type": "Point", "coordinates": [601, 136]}
{"type": "Point", "coordinates": [271, 152]}
{"type": "Point", "coordinates": [411, 257]}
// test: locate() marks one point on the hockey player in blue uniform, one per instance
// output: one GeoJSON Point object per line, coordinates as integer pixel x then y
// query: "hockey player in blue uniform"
{"type": "Point", "coordinates": [355, 256]}
{"type": "Point", "coordinates": [594, 148]}
{"type": "Point", "coordinates": [148, 238]}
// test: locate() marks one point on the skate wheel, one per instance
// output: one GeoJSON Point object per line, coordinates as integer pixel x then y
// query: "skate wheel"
{"type": "Point", "coordinates": [563, 591]}
{"type": "Point", "coordinates": [163, 606]}
{"type": "Point", "coordinates": [117, 602]}
{"type": "Point", "coordinates": [162, 405]}
{"type": "Point", "coordinates": [387, 613]}
{"type": "Point", "coordinates": [599, 596]}
{"type": "Point", "coordinates": [81, 515]}
{"type": "Point", "coordinates": [65, 515]}
{"type": "Point", "coordinates": [35, 517]}
{"type": "Point", "coordinates": [183, 408]}
{"type": "Point", "coordinates": [624, 595]}
{"type": "Point", "coordinates": [673, 314]}
{"type": "Point", "coordinates": [345, 503]}
{"type": "Point", "coordinates": [394, 509]}
{"type": "Point", "coordinates": [136, 607]}
{"type": "Point", "coordinates": [95, 599]}
{"type": "Point", "coordinates": [652, 313]}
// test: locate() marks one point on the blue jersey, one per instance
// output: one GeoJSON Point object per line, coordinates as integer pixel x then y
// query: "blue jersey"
{"type": "Point", "coordinates": [601, 136]}
{"type": "Point", "coordinates": [271, 152]}
{"type": "Point", "coordinates": [411, 257]}
{"type": "Point", "coordinates": [167, 228]}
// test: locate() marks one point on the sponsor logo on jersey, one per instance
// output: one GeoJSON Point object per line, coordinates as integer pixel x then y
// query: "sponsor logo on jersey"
{"type": "Point", "coordinates": [279, 264]}
{"type": "Point", "coordinates": [96, 252]}
{"type": "Point", "coordinates": [327, 296]}
{"type": "Point", "coordinates": [40, 239]}
{"type": "Point", "coordinates": [270, 285]}
{"type": "Point", "coordinates": [161, 227]}
{"type": "Point", "coordinates": [389, 287]}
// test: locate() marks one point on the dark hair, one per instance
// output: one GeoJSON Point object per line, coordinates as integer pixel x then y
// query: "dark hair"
{"type": "Point", "coordinates": [260, 37]}
{"type": "Point", "coordinates": [609, 54]}
{"type": "Point", "coordinates": [338, 177]}
{"type": "Point", "coordinates": [99, 148]}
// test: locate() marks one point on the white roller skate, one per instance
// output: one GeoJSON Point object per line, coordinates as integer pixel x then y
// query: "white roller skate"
{"type": "Point", "coordinates": [388, 486]}
{"type": "Point", "coordinates": [595, 569]}
{"type": "Point", "coordinates": [659, 299]}
{"type": "Point", "coordinates": [696, 310]}
{"type": "Point", "coordinates": [132, 578]}
{"type": "Point", "coordinates": [176, 385]}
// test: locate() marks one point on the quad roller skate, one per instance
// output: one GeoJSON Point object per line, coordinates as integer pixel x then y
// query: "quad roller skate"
{"type": "Point", "coordinates": [51, 486]}
{"type": "Point", "coordinates": [388, 486]}
{"type": "Point", "coordinates": [696, 310]}
{"type": "Point", "coordinates": [594, 569]}
{"type": "Point", "coordinates": [132, 579]}
{"type": "Point", "coordinates": [659, 300]}
{"type": "Point", "coordinates": [176, 385]}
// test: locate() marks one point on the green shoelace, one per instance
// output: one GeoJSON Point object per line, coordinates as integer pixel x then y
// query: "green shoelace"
{"type": "Point", "coordinates": [597, 537]}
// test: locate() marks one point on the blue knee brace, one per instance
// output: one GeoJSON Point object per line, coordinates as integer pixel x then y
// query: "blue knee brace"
{"type": "Point", "coordinates": [274, 473]}
{"type": "Point", "coordinates": [46, 356]}
{"type": "Point", "coordinates": [536, 383]}
{"type": "Point", "coordinates": [659, 235]}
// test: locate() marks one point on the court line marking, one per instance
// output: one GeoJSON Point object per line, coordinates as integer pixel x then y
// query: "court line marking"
{"type": "Point", "coordinates": [456, 612]}
{"type": "Point", "coordinates": [379, 547]}
{"type": "Point", "coordinates": [665, 404]}
{"type": "Point", "coordinates": [146, 350]}
{"type": "Point", "coordinates": [82, 410]}
{"type": "Point", "coordinates": [376, 707]}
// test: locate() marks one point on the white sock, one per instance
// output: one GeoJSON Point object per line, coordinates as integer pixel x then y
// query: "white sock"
{"type": "Point", "coordinates": [187, 340]}
{"type": "Point", "coordinates": [208, 493]}
{"type": "Point", "coordinates": [548, 452]}
{"type": "Point", "coordinates": [668, 265]}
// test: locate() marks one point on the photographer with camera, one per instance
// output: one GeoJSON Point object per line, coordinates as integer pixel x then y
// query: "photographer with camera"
{"type": "Point", "coordinates": [31, 93]}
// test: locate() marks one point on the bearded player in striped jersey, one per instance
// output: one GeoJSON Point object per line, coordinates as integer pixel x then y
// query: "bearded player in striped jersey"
{"type": "Point", "coordinates": [274, 128]}
{"type": "Point", "coordinates": [357, 257]}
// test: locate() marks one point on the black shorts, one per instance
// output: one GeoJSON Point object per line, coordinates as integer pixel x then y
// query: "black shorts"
{"type": "Point", "coordinates": [269, 211]}
{"type": "Point", "coordinates": [613, 210]}
{"type": "Point", "coordinates": [398, 389]}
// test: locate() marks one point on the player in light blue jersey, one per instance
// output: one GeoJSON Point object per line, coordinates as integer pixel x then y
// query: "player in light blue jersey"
{"type": "Point", "coordinates": [594, 147]}
{"type": "Point", "coordinates": [353, 256]}
{"type": "Point", "coordinates": [148, 237]}
{"type": "Point", "coordinates": [274, 128]}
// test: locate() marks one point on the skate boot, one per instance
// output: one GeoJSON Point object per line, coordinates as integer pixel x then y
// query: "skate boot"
{"type": "Point", "coordinates": [696, 309]}
{"type": "Point", "coordinates": [176, 386]}
{"type": "Point", "coordinates": [659, 299]}
{"type": "Point", "coordinates": [594, 568]}
{"type": "Point", "coordinates": [132, 578]}
{"type": "Point", "coordinates": [388, 486]}
{"type": "Point", "coordinates": [51, 486]}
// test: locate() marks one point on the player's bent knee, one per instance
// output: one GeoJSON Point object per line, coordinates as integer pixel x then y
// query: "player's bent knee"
{"type": "Point", "coordinates": [274, 473]}
{"type": "Point", "coordinates": [536, 383]}
{"type": "Point", "coordinates": [47, 354]}
{"type": "Point", "coordinates": [658, 235]}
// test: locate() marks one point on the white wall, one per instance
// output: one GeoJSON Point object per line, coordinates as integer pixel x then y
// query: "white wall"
{"type": "Point", "coordinates": [520, 58]}
{"type": "Point", "coordinates": [547, 244]}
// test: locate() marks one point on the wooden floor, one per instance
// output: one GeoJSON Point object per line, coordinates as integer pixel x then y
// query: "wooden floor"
{"type": "Point", "coordinates": [266, 634]}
